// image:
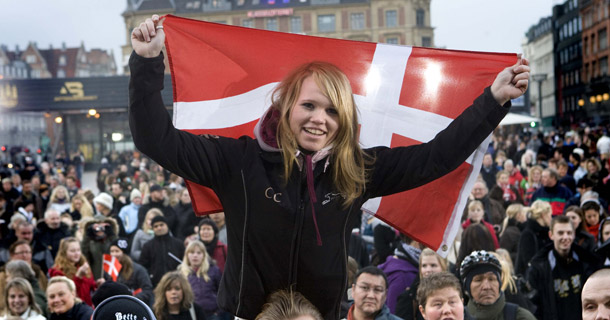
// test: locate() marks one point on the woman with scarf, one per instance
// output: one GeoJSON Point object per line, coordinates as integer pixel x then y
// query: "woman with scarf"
{"type": "Point", "coordinates": [208, 234]}
{"type": "Point", "coordinates": [292, 195]}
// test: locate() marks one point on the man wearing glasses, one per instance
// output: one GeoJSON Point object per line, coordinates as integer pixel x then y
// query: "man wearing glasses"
{"type": "Point", "coordinates": [370, 292]}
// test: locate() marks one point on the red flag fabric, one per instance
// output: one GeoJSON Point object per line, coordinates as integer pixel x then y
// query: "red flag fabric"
{"type": "Point", "coordinates": [222, 77]}
{"type": "Point", "coordinates": [112, 266]}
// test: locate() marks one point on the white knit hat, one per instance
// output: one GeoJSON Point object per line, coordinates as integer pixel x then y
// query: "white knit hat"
{"type": "Point", "coordinates": [104, 199]}
{"type": "Point", "coordinates": [135, 193]}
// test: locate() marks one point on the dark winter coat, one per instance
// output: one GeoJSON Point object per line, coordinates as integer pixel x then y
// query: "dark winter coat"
{"type": "Point", "coordinates": [156, 259]}
{"type": "Point", "coordinates": [533, 238]}
{"type": "Point", "coordinates": [94, 249]}
{"type": "Point", "coordinates": [509, 239]}
{"type": "Point", "coordinates": [205, 292]}
{"type": "Point", "coordinates": [80, 311]}
{"type": "Point", "coordinates": [50, 238]}
{"type": "Point", "coordinates": [273, 239]}
{"type": "Point", "coordinates": [139, 283]}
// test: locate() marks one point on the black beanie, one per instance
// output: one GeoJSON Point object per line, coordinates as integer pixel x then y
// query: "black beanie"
{"type": "Point", "coordinates": [479, 269]}
{"type": "Point", "coordinates": [211, 223]}
{"type": "Point", "coordinates": [122, 244]}
{"type": "Point", "coordinates": [158, 219]}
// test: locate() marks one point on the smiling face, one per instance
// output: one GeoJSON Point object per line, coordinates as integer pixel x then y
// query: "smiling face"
{"type": "Point", "coordinates": [562, 236]}
{"type": "Point", "coordinates": [60, 298]}
{"type": "Point", "coordinates": [18, 301]}
{"type": "Point", "coordinates": [430, 265]}
{"type": "Point", "coordinates": [313, 119]}
{"type": "Point", "coordinates": [73, 253]}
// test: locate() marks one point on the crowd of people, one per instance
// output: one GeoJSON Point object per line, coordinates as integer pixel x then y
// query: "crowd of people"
{"type": "Point", "coordinates": [538, 227]}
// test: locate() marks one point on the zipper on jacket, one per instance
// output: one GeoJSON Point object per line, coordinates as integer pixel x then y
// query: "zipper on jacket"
{"type": "Point", "coordinates": [296, 237]}
{"type": "Point", "coordinates": [243, 246]}
{"type": "Point", "coordinates": [338, 302]}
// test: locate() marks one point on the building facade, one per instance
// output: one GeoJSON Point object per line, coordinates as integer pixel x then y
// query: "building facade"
{"type": "Point", "coordinates": [595, 39]}
{"type": "Point", "coordinates": [539, 49]}
{"type": "Point", "coordinates": [403, 22]}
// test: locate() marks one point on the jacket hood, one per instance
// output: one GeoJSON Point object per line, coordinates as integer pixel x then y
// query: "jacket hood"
{"type": "Point", "coordinates": [100, 218]}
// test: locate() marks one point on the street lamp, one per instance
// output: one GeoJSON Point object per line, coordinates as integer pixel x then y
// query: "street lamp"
{"type": "Point", "coordinates": [540, 77]}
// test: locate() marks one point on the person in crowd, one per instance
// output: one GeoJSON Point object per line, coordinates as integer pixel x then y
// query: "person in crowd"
{"type": "Point", "coordinates": [481, 276]}
{"type": "Point", "coordinates": [401, 269]}
{"type": "Point", "coordinates": [511, 285]}
{"type": "Point", "coordinates": [334, 126]}
{"type": "Point", "coordinates": [187, 219]}
{"type": "Point", "coordinates": [511, 229]}
{"type": "Point", "coordinates": [132, 274]}
{"type": "Point", "coordinates": [219, 220]}
{"type": "Point", "coordinates": [407, 305]}
{"type": "Point", "coordinates": [51, 230]}
{"type": "Point", "coordinates": [557, 273]}
{"type": "Point", "coordinates": [593, 214]}
{"type": "Point", "coordinates": [144, 234]}
{"type": "Point", "coordinates": [158, 201]}
{"type": "Point", "coordinates": [288, 305]}
{"type": "Point", "coordinates": [29, 195]}
{"type": "Point", "coordinates": [161, 254]}
{"type": "Point", "coordinates": [515, 177]}
{"type": "Point", "coordinates": [103, 204]}
{"type": "Point", "coordinates": [72, 186]}
{"type": "Point", "coordinates": [70, 262]}
{"type": "Point", "coordinates": [80, 208]}
{"type": "Point", "coordinates": [20, 302]}
{"type": "Point", "coordinates": [99, 233]}
{"type": "Point", "coordinates": [595, 297]}
{"type": "Point", "coordinates": [21, 269]}
{"type": "Point", "coordinates": [41, 255]}
{"type": "Point", "coordinates": [534, 236]}
{"type": "Point", "coordinates": [534, 182]}
{"type": "Point", "coordinates": [26, 209]}
{"type": "Point", "coordinates": [174, 299]}
{"type": "Point", "coordinates": [208, 234]}
{"type": "Point", "coordinates": [565, 179]}
{"type": "Point", "coordinates": [489, 171]}
{"type": "Point", "coordinates": [604, 237]}
{"type": "Point", "coordinates": [10, 193]}
{"type": "Point", "coordinates": [494, 211]}
{"type": "Point", "coordinates": [63, 302]}
{"type": "Point", "coordinates": [526, 162]}
{"type": "Point", "coordinates": [129, 213]}
{"type": "Point", "coordinates": [385, 239]}
{"type": "Point", "coordinates": [593, 170]}
{"type": "Point", "coordinates": [440, 297]}
{"type": "Point", "coordinates": [583, 186]}
{"type": "Point", "coordinates": [102, 175]}
{"type": "Point", "coordinates": [204, 278]}
{"type": "Point", "coordinates": [476, 212]}
{"type": "Point", "coordinates": [21, 250]}
{"type": "Point", "coordinates": [370, 290]}
{"type": "Point", "coordinates": [119, 197]}
{"type": "Point", "coordinates": [475, 237]}
{"type": "Point", "coordinates": [60, 199]}
{"type": "Point", "coordinates": [582, 237]}
{"type": "Point", "coordinates": [579, 170]}
{"type": "Point", "coordinates": [552, 192]}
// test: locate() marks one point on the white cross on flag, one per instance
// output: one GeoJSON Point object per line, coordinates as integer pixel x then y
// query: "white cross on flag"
{"type": "Point", "coordinates": [112, 266]}
{"type": "Point", "coordinates": [223, 75]}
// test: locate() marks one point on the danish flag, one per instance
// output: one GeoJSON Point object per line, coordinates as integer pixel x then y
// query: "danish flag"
{"type": "Point", "coordinates": [112, 266]}
{"type": "Point", "coordinates": [222, 77]}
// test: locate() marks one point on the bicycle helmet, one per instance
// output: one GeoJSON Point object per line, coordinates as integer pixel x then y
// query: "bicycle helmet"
{"type": "Point", "coordinates": [476, 263]}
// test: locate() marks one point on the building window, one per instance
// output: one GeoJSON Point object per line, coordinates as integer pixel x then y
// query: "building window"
{"type": "Point", "coordinates": [390, 19]}
{"type": "Point", "coordinates": [603, 66]}
{"type": "Point", "coordinates": [326, 23]}
{"type": "Point", "coordinates": [426, 41]}
{"type": "Point", "coordinates": [296, 25]}
{"type": "Point", "coordinates": [271, 24]}
{"type": "Point", "coordinates": [603, 39]}
{"type": "Point", "coordinates": [30, 58]}
{"type": "Point", "coordinates": [61, 73]}
{"type": "Point", "coordinates": [420, 17]}
{"type": "Point", "coordinates": [357, 21]}
{"type": "Point", "coordinates": [248, 23]}
{"type": "Point", "coordinates": [62, 60]}
{"type": "Point", "coordinates": [391, 40]}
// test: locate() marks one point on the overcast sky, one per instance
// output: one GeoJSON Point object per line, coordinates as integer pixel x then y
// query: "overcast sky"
{"type": "Point", "coordinates": [479, 25]}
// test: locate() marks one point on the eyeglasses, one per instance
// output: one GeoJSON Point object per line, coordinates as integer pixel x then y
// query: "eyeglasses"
{"type": "Point", "coordinates": [376, 290]}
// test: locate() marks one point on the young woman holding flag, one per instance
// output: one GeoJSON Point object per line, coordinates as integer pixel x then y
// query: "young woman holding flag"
{"type": "Point", "coordinates": [292, 195]}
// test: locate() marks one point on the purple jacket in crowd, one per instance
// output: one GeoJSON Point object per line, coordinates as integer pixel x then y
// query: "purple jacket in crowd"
{"type": "Point", "coordinates": [205, 292]}
{"type": "Point", "coordinates": [401, 274]}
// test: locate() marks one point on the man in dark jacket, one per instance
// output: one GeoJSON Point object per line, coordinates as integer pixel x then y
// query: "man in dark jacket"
{"type": "Point", "coordinates": [558, 273]}
{"type": "Point", "coordinates": [157, 200]}
{"type": "Point", "coordinates": [162, 253]}
{"type": "Point", "coordinates": [51, 230]}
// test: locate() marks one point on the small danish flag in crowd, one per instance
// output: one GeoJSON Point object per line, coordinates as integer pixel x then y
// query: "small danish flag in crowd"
{"type": "Point", "coordinates": [223, 75]}
{"type": "Point", "coordinates": [112, 266]}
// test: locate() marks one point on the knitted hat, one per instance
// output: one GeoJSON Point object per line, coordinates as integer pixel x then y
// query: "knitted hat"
{"type": "Point", "coordinates": [158, 219]}
{"type": "Point", "coordinates": [122, 244]}
{"type": "Point", "coordinates": [104, 199]}
{"type": "Point", "coordinates": [109, 289]}
{"type": "Point", "coordinates": [122, 307]}
{"type": "Point", "coordinates": [135, 193]}
{"type": "Point", "coordinates": [155, 187]}
{"type": "Point", "coordinates": [210, 223]}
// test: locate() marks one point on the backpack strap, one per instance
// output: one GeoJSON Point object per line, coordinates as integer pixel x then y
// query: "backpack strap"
{"type": "Point", "coordinates": [510, 311]}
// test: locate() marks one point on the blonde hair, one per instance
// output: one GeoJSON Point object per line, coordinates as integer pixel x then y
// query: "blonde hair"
{"type": "Point", "coordinates": [86, 210]}
{"type": "Point", "coordinates": [530, 174]}
{"type": "Point", "coordinates": [150, 214]}
{"type": "Point", "coordinates": [185, 267]}
{"type": "Point", "coordinates": [288, 305]}
{"type": "Point", "coordinates": [69, 283]}
{"type": "Point", "coordinates": [539, 208]}
{"type": "Point", "coordinates": [348, 159]}
{"type": "Point", "coordinates": [160, 306]}
{"type": "Point", "coordinates": [25, 287]}
{"type": "Point", "coordinates": [62, 262]}
{"type": "Point", "coordinates": [474, 203]}
{"type": "Point", "coordinates": [53, 196]}
{"type": "Point", "coordinates": [508, 282]}
{"type": "Point", "coordinates": [427, 252]}
{"type": "Point", "coordinates": [512, 211]}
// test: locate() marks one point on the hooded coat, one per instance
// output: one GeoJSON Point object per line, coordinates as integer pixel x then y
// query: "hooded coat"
{"type": "Point", "coordinates": [94, 249]}
{"type": "Point", "coordinates": [271, 231]}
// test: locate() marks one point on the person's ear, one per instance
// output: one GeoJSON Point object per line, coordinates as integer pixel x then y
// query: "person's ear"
{"type": "Point", "coordinates": [421, 310]}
